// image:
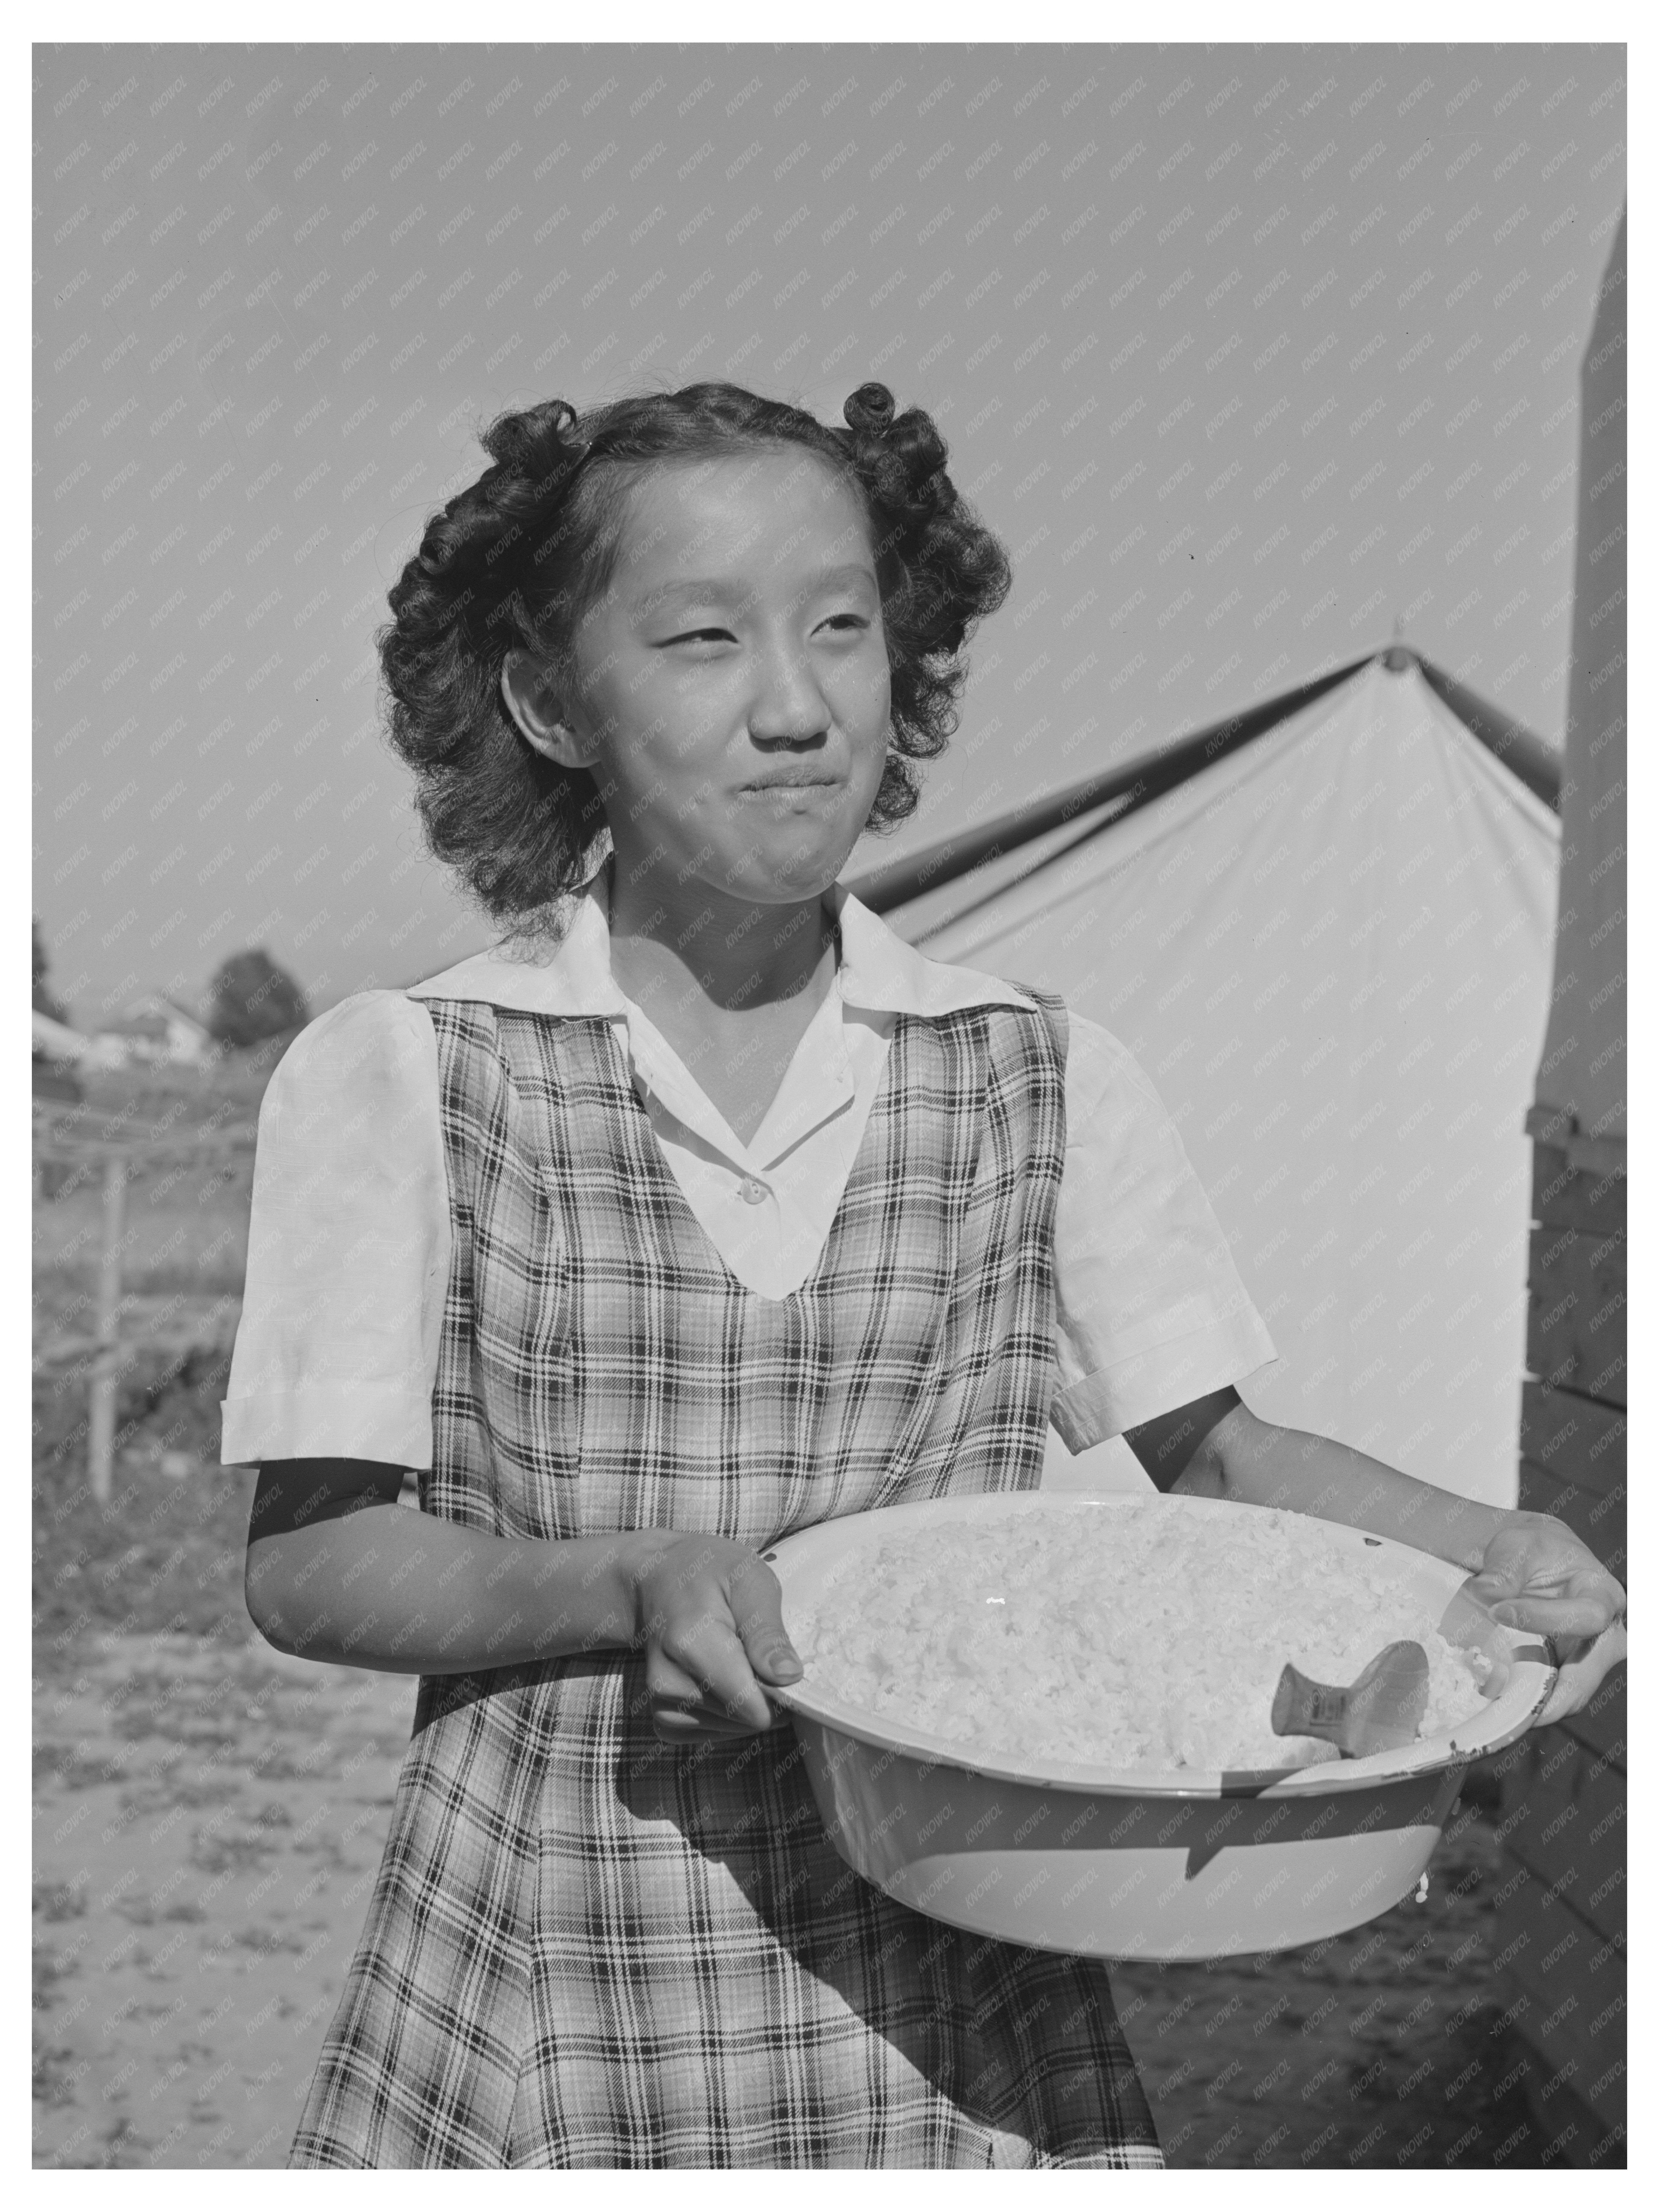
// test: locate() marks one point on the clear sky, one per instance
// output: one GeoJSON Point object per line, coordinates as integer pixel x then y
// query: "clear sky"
{"type": "Point", "coordinates": [1244, 352]}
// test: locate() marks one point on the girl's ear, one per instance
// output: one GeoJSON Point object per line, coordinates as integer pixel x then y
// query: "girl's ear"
{"type": "Point", "coordinates": [530, 688]}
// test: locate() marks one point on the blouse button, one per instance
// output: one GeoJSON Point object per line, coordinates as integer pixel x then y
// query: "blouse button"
{"type": "Point", "coordinates": [753, 1192]}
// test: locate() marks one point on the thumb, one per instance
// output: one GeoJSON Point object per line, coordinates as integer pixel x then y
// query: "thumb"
{"type": "Point", "coordinates": [780, 1666]}
{"type": "Point", "coordinates": [758, 1609]}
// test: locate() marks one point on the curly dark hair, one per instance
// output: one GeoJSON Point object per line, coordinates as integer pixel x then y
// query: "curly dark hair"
{"type": "Point", "coordinates": [520, 556]}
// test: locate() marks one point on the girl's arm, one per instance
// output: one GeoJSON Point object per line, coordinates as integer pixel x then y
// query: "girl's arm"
{"type": "Point", "coordinates": [337, 1571]}
{"type": "Point", "coordinates": [1256, 1462]}
{"type": "Point", "coordinates": [1532, 1572]}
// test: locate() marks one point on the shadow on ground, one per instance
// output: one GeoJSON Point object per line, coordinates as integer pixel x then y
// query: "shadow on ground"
{"type": "Point", "coordinates": [210, 1815]}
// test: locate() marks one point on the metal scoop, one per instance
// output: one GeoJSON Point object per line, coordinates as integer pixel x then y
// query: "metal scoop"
{"type": "Point", "coordinates": [1380, 1709]}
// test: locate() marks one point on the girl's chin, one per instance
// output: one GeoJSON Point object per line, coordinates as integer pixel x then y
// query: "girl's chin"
{"type": "Point", "coordinates": [768, 870]}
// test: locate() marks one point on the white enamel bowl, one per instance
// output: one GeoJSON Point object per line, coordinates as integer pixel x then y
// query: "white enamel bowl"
{"type": "Point", "coordinates": [1132, 1862]}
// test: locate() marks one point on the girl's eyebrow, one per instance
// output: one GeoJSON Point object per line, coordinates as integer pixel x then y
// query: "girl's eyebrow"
{"type": "Point", "coordinates": [701, 590]}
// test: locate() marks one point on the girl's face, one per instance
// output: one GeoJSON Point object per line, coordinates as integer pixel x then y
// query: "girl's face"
{"type": "Point", "coordinates": [732, 690]}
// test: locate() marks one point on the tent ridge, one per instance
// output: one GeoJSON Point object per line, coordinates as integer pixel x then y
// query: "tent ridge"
{"type": "Point", "coordinates": [1138, 783]}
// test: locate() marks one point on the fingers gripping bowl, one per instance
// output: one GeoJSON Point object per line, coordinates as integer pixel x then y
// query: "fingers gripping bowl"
{"type": "Point", "coordinates": [955, 1769]}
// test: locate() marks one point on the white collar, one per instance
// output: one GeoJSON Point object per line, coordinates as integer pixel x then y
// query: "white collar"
{"type": "Point", "coordinates": [570, 974]}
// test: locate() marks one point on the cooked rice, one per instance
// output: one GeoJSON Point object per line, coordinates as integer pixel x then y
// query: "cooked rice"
{"type": "Point", "coordinates": [1140, 1634]}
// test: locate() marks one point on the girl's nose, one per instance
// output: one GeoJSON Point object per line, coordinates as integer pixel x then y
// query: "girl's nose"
{"type": "Point", "coordinates": [787, 703]}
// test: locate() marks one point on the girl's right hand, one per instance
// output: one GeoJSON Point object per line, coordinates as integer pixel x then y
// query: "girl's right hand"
{"type": "Point", "coordinates": [708, 1614]}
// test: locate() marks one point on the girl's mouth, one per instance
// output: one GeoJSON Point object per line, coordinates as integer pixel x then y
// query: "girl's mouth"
{"type": "Point", "coordinates": [792, 788]}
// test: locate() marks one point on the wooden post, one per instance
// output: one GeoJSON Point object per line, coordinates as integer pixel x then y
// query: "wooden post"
{"type": "Point", "coordinates": [101, 1426]}
{"type": "Point", "coordinates": [1563, 1912]}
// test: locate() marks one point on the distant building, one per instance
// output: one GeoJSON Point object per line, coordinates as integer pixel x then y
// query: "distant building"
{"type": "Point", "coordinates": [56, 1053]}
{"type": "Point", "coordinates": [155, 1028]}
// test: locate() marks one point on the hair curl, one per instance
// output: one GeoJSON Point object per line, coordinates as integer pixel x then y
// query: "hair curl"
{"type": "Point", "coordinates": [520, 556]}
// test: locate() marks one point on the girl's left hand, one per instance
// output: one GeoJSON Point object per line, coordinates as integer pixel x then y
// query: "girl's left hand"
{"type": "Point", "coordinates": [1537, 1576]}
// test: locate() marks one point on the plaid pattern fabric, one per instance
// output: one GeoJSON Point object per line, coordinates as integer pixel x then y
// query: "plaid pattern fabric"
{"type": "Point", "coordinates": [585, 1948]}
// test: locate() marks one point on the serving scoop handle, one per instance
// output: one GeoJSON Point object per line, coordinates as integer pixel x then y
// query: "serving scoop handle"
{"type": "Point", "coordinates": [1380, 1710]}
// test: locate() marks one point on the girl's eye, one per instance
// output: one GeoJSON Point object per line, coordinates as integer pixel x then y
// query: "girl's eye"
{"type": "Point", "coordinates": [723, 636]}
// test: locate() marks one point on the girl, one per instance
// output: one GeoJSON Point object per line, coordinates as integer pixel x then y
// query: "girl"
{"type": "Point", "coordinates": [700, 1210]}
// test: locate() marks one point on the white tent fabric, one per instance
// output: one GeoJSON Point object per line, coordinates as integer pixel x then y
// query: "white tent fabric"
{"type": "Point", "coordinates": [1331, 954]}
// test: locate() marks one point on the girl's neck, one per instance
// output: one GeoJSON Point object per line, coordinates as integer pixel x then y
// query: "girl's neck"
{"type": "Point", "coordinates": [667, 939]}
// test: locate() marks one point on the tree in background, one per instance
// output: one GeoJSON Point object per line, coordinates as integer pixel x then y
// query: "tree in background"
{"type": "Point", "coordinates": [44, 1002]}
{"type": "Point", "coordinates": [253, 1000]}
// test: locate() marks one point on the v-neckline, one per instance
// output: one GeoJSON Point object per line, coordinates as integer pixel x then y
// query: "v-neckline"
{"type": "Point", "coordinates": [683, 1092]}
{"type": "Point", "coordinates": [662, 1037]}
{"type": "Point", "coordinates": [679, 1198]}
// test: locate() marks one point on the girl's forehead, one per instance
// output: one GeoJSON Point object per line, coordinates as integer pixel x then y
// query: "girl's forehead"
{"type": "Point", "coordinates": [741, 500]}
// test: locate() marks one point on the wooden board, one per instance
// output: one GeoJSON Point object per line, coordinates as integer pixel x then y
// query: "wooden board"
{"type": "Point", "coordinates": [1599, 1520]}
{"type": "Point", "coordinates": [1573, 2010]}
{"type": "Point", "coordinates": [1576, 1318]}
{"type": "Point", "coordinates": [1564, 1819]}
{"type": "Point", "coordinates": [1577, 1439]}
{"type": "Point", "coordinates": [1562, 1916]}
{"type": "Point", "coordinates": [1603, 1725]}
{"type": "Point", "coordinates": [1575, 1198]}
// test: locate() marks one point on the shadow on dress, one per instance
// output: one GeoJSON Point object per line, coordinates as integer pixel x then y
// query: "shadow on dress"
{"type": "Point", "coordinates": [1017, 2047]}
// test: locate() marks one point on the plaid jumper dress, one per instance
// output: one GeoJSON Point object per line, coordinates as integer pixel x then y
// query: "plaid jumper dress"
{"type": "Point", "coordinates": [588, 1949]}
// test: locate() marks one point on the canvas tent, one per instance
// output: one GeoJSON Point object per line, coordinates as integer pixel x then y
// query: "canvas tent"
{"type": "Point", "coordinates": [1324, 928]}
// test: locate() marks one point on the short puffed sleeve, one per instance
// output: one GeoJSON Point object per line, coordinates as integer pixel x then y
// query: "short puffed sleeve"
{"type": "Point", "coordinates": [1150, 1312]}
{"type": "Point", "coordinates": [349, 1246]}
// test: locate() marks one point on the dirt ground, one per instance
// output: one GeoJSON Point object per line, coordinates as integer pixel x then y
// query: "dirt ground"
{"type": "Point", "coordinates": [1381, 2047]}
{"type": "Point", "coordinates": [209, 1816]}
{"type": "Point", "coordinates": [207, 1820]}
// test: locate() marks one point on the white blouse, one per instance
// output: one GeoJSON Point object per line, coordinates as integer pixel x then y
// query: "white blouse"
{"type": "Point", "coordinates": [348, 1246]}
